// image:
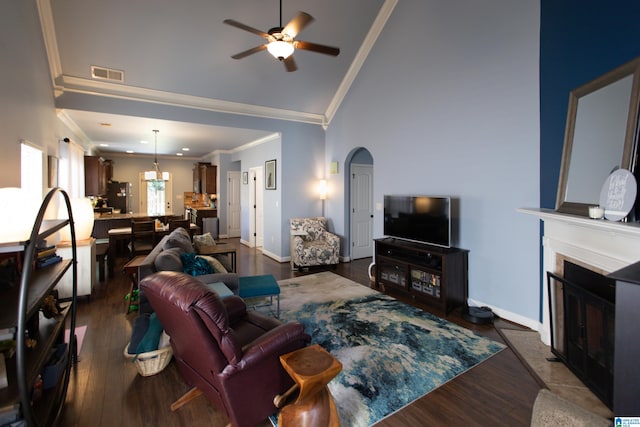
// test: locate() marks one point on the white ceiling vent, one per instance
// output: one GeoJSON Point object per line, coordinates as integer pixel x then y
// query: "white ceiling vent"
{"type": "Point", "coordinates": [103, 73]}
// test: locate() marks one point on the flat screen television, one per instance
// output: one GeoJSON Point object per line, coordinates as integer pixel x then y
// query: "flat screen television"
{"type": "Point", "coordinates": [423, 219]}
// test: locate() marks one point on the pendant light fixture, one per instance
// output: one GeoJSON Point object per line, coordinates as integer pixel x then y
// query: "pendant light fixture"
{"type": "Point", "coordinates": [155, 174]}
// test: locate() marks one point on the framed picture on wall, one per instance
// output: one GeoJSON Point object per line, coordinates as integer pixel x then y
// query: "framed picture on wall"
{"type": "Point", "coordinates": [270, 174]}
{"type": "Point", "coordinates": [245, 177]}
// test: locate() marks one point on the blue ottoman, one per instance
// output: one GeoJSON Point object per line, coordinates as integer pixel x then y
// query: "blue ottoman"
{"type": "Point", "coordinates": [260, 286]}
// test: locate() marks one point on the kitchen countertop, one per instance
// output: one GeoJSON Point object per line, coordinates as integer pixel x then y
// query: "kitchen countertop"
{"type": "Point", "coordinates": [203, 208]}
{"type": "Point", "coordinates": [107, 216]}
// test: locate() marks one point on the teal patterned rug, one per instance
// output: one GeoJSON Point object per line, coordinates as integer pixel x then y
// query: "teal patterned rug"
{"type": "Point", "coordinates": [391, 352]}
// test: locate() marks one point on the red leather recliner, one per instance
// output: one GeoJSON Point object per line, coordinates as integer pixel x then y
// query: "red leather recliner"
{"type": "Point", "coordinates": [224, 351]}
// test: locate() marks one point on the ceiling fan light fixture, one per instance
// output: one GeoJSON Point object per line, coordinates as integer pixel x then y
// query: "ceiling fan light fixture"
{"type": "Point", "coordinates": [280, 49]}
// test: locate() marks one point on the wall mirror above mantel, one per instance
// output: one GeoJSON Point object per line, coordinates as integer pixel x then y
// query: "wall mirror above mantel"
{"type": "Point", "coordinates": [601, 136]}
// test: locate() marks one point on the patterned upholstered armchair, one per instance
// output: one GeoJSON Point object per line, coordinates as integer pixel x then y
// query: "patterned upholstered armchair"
{"type": "Point", "coordinates": [312, 244]}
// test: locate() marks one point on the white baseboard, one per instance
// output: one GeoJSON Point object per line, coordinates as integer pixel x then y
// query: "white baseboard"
{"type": "Point", "coordinates": [508, 315]}
{"type": "Point", "coordinates": [274, 256]}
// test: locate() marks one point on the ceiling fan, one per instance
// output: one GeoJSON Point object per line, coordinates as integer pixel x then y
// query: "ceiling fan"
{"type": "Point", "coordinates": [281, 40]}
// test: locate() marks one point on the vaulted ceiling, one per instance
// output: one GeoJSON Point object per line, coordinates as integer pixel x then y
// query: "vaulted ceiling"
{"type": "Point", "coordinates": [179, 53]}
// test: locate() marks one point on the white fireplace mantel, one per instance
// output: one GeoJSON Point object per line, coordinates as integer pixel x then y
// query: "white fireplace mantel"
{"type": "Point", "coordinates": [604, 245]}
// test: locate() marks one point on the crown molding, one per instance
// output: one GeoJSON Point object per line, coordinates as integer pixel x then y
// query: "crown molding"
{"type": "Point", "coordinates": [84, 140]}
{"type": "Point", "coordinates": [271, 137]}
{"type": "Point", "coordinates": [133, 93]}
{"type": "Point", "coordinates": [50, 43]}
{"type": "Point", "coordinates": [358, 61]}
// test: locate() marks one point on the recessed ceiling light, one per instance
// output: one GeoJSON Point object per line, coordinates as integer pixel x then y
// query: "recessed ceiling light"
{"type": "Point", "coordinates": [185, 149]}
{"type": "Point", "coordinates": [144, 142]}
{"type": "Point", "coordinates": [179, 154]}
{"type": "Point", "coordinates": [104, 145]}
{"type": "Point", "coordinates": [130, 151]}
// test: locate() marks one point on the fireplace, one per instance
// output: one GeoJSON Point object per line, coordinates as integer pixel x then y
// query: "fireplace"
{"type": "Point", "coordinates": [582, 308]}
{"type": "Point", "coordinates": [611, 249]}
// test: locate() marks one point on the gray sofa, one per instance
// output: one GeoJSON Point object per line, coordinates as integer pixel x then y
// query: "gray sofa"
{"type": "Point", "coordinates": [165, 256]}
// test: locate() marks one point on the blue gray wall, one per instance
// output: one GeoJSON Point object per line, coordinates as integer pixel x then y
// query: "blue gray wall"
{"type": "Point", "coordinates": [27, 109]}
{"type": "Point", "coordinates": [447, 104]}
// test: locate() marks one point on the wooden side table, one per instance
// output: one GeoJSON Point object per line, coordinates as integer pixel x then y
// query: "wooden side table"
{"type": "Point", "coordinates": [223, 249]}
{"type": "Point", "coordinates": [311, 368]}
{"type": "Point", "coordinates": [131, 268]}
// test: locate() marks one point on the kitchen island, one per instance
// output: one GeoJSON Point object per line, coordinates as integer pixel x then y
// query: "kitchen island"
{"type": "Point", "coordinates": [197, 214]}
{"type": "Point", "coordinates": [103, 222]}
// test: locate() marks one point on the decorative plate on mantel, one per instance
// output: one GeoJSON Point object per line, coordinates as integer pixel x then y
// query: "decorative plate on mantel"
{"type": "Point", "coordinates": [618, 194]}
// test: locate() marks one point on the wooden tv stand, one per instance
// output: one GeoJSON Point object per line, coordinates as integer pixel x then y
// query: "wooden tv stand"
{"type": "Point", "coordinates": [431, 274]}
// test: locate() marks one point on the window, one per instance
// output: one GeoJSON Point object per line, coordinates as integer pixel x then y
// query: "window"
{"type": "Point", "coordinates": [31, 170]}
{"type": "Point", "coordinates": [155, 198]}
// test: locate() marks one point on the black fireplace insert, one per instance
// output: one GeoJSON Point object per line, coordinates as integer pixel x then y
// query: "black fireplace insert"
{"type": "Point", "coordinates": [582, 314]}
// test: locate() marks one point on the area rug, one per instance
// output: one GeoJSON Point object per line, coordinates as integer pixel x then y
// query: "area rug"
{"type": "Point", "coordinates": [392, 353]}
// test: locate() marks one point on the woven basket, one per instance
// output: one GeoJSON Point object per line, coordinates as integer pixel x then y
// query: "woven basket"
{"type": "Point", "coordinates": [152, 362]}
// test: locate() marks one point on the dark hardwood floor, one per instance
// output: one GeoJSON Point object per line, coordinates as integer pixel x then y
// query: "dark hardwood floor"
{"type": "Point", "coordinates": [106, 390]}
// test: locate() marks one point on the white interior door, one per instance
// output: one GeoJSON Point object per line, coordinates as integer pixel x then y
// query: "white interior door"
{"type": "Point", "coordinates": [259, 207]}
{"type": "Point", "coordinates": [361, 211]}
{"type": "Point", "coordinates": [168, 196]}
{"type": "Point", "coordinates": [256, 217]}
{"type": "Point", "coordinates": [233, 207]}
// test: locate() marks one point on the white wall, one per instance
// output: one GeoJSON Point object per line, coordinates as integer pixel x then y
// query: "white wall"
{"type": "Point", "coordinates": [254, 157]}
{"type": "Point", "coordinates": [447, 103]}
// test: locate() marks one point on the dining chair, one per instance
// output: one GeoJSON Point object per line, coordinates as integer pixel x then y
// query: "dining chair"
{"type": "Point", "coordinates": [175, 223]}
{"type": "Point", "coordinates": [184, 223]}
{"type": "Point", "coordinates": [142, 237]}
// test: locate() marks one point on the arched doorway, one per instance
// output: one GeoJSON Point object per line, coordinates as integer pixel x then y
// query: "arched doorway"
{"type": "Point", "coordinates": [359, 182]}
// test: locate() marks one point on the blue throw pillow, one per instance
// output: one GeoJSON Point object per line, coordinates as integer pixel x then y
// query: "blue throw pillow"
{"type": "Point", "coordinates": [151, 339]}
{"type": "Point", "coordinates": [195, 266]}
{"type": "Point", "coordinates": [140, 328]}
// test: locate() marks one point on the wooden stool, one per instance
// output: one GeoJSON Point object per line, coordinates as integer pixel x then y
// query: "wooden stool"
{"type": "Point", "coordinates": [101, 256]}
{"type": "Point", "coordinates": [311, 368]}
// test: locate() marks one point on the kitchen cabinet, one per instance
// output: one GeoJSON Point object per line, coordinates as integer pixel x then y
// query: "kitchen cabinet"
{"type": "Point", "coordinates": [204, 178]}
{"type": "Point", "coordinates": [97, 174]}
{"type": "Point", "coordinates": [196, 215]}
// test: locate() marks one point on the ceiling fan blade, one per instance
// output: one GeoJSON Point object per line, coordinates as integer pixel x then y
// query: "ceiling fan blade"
{"type": "Point", "coordinates": [314, 47]}
{"type": "Point", "coordinates": [249, 52]}
{"type": "Point", "coordinates": [297, 24]}
{"type": "Point", "coordinates": [246, 28]}
{"type": "Point", "coordinates": [290, 64]}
